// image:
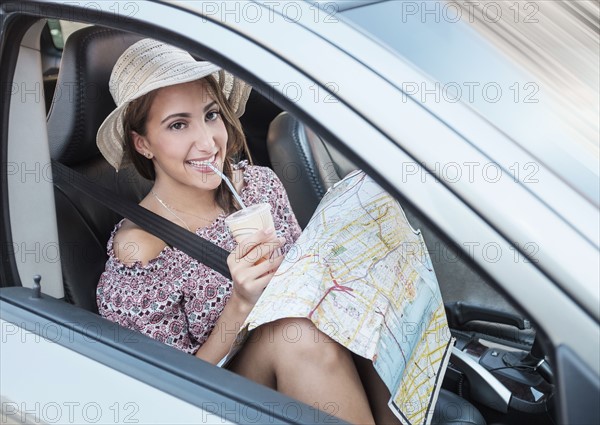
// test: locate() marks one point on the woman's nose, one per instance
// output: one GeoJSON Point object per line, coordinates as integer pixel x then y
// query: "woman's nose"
{"type": "Point", "coordinates": [203, 139]}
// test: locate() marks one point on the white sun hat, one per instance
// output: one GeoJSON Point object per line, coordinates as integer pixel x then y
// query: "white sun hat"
{"type": "Point", "coordinates": [149, 65]}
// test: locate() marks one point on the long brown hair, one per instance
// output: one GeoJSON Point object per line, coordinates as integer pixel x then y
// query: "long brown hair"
{"type": "Point", "coordinates": [136, 116]}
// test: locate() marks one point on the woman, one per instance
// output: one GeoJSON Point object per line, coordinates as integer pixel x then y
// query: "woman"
{"type": "Point", "coordinates": [174, 116]}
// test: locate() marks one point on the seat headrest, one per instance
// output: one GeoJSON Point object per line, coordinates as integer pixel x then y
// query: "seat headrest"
{"type": "Point", "coordinates": [81, 99]}
{"type": "Point", "coordinates": [306, 164]}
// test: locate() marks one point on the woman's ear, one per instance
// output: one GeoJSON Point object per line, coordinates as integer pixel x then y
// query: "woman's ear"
{"type": "Point", "coordinates": [141, 144]}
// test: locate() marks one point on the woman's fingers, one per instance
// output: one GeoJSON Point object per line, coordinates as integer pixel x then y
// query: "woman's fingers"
{"type": "Point", "coordinates": [248, 288]}
{"type": "Point", "coordinates": [264, 273]}
{"type": "Point", "coordinates": [261, 244]}
{"type": "Point", "coordinates": [264, 281]}
{"type": "Point", "coordinates": [245, 276]}
{"type": "Point", "coordinates": [244, 247]}
{"type": "Point", "coordinates": [253, 263]}
{"type": "Point", "coordinates": [268, 266]}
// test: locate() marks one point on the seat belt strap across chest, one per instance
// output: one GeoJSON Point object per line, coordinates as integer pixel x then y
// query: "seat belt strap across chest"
{"type": "Point", "coordinates": [193, 245]}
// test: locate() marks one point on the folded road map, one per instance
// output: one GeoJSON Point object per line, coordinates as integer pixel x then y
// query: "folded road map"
{"type": "Point", "coordinates": [363, 276]}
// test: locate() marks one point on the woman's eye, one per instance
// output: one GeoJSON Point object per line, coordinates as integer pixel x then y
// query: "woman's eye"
{"type": "Point", "coordinates": [177, 125]}
{"type": "Point", "coordinates": [212, 115]}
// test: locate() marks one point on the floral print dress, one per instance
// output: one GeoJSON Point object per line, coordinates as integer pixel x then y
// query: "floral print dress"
{"type": "Point", "coordinates": [174, 298]}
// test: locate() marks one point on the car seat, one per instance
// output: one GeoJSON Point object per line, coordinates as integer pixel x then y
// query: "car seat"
{"type": "Point", "coordinates": [308, 166]}
{"type": "Point", "coordinates": [80, 103]}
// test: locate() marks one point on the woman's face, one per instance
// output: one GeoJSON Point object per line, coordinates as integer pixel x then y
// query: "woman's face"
{"type": "Point", "coordinates": [184, 130]}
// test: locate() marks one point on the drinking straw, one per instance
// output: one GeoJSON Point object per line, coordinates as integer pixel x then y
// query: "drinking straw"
{"type": "Point", "coordinates": [224, 177]}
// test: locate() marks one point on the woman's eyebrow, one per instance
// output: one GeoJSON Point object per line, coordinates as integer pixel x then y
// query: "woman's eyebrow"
{"type": "Point", "coordinates": [187, 114]}
{"type": "Point", "coordinates": [177, 115]}
{"type": "Point", "coordinates": [210, 105]}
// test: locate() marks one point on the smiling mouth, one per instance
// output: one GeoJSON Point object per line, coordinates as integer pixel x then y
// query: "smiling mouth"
{"type": "Point", "coordinates": [204, 164]}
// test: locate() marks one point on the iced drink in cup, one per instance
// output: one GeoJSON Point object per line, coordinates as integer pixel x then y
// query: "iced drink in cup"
{"type": "Point", "coordinates": [250, 220]}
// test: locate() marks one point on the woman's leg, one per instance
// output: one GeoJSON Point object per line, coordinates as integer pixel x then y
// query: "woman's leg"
{"type": "Point", "coordinates": [378, 393]}
{"type": "Point", "coordinates": [294, 357]}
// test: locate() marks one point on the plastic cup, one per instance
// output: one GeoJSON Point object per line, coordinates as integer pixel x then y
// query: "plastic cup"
{"type": "Point", "coordinates": [249, 220]}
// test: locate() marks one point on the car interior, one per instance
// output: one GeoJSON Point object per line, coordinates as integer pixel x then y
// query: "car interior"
{"type": "Point", "coordinates": [495, 374]}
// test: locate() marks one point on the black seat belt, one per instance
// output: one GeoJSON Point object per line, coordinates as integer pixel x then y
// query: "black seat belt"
{"type": "Point", "coordinates": [193, 245]}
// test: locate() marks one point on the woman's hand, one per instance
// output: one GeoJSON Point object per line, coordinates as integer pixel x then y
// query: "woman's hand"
{"type": "Point", "coordinates": [252, 264]}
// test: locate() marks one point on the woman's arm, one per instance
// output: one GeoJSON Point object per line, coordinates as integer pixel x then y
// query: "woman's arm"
{"type": "Point", "coordinates": [249, 281]}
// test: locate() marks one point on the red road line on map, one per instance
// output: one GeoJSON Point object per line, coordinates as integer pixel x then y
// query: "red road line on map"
{"type": "Point", "coordinates": [336, 287]}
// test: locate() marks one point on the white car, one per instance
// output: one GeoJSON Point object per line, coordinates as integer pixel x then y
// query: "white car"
{"type": "Point", "coordinates": [481, 119]}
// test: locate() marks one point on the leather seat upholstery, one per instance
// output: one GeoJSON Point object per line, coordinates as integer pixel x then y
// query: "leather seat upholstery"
{"type": "Point", "coordinates": [308, 166]}
{"type": "Point", "coordinates": [81, 102]}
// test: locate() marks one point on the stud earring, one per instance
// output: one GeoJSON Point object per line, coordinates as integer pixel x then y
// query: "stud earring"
{"type": "Point", "coordinates": [148, 155]}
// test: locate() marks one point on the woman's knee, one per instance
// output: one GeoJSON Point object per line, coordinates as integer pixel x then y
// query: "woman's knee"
{"type": "Point", "coordinates": [298, 339]}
